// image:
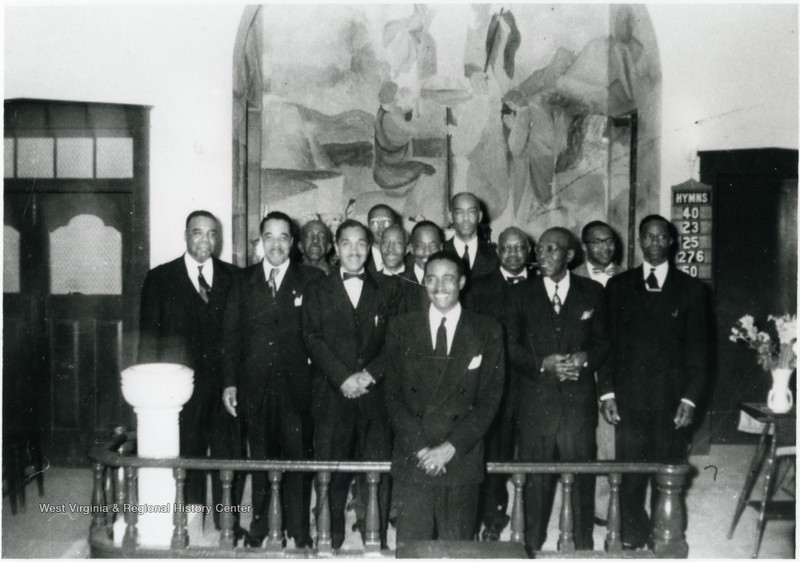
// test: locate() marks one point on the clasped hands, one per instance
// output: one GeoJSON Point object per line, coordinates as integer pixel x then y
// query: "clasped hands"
{"type": "Point", "coordinates": [357, 384]}
{"type": "Point", "coordinates": [433, 459]}
{"type": "Point", "coordinates": [567, 367]}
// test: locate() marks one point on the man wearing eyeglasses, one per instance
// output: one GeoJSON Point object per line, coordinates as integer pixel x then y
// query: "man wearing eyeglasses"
{"type": "Point", "coordinates": [654, 377]}
{"type": "Point", "coordinates": [565, 321]}
{"type": "Point", "coordinates": [599, 247]}
{"type": "Point", "coordinates": [379, 218]}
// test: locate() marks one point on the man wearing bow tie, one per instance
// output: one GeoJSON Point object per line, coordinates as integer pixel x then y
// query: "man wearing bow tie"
{"type": "Point", "coordinates": [565, 333]}
{"type": "Point", "coordinates": [493, 295]}
{"type": "Point", "coordinates": [181, 322]}
{"type": "Point", "coordinates": [344, 326]}
{"type": "Point", "coordinates": [655, 375]}
{"type": "Point", "coordinates": [599, 247]}
{"type": "Point", "coordinates": [267, 375]}
{"type": "Point", "coordinates": [445, 369]}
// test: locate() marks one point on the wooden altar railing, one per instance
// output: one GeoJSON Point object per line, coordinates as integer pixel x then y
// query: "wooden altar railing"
{"type": "Point", "coordinates": [116, 469]}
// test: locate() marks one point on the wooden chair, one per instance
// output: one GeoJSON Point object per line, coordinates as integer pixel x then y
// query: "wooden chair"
{"type": "Point", "coordinates": [22, 450]}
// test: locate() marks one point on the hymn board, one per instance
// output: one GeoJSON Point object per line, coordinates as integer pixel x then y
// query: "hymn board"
{"type": "Point", "coordinates": [692, 215]}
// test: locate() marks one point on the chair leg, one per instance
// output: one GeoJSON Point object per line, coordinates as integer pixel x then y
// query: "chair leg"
{"type": "Point", "coordinates": [750, 481]}
{"type": "Point", "coordinates": [762, 515]}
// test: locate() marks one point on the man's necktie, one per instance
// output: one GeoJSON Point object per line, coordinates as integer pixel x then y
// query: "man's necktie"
{"type": "Point", "coordinates": [652, 282]}
{"type": "Point", "coordinates": [362, 276]}
{"type": "Point", "coordinates": [514, 279]}
{"type": "Point", "coordinates": [465, 259]}
{"type": "Point", "coordinates": [273, 287]}
{"type": "Point", "coordinates": [205, 288]}
{"type": "Point", "coordinates": [556, 301]}
{"type": "Point", "coordinates": [441, 340]}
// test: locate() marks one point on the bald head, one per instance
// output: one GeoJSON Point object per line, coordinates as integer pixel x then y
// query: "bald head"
{"type": "Point", "coordinates": [513, 248]}
{"type": "Point", "coordinates": [554, 251]}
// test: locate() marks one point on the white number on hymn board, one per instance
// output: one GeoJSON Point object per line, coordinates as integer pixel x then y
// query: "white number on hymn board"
{"type": "Point", "coordinates": [691, 256]}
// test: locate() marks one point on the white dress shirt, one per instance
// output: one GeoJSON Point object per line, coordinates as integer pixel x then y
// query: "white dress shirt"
{"type": "Point", "coordinates": [472, 245]}
{"type": "Point", "coordinates": [386, 271]}
{"type": "Point", "coordinates": [353, 287]}
{"type": "Point", "coordinates": [268, 267]}
{"type": "Point", "coordinates": [419, 274]}
{"type": "Point", "coordinates": [563, 288]}
{"type": "Point", "coordinates": [450, 323]}
{"type": "Point", "coordinates": [603, 276]}
{"type": "Point", "coordinates": [660, 272]}
{"type": "Point", "coordinates": [506, 274]}
{"type": "Point", "coordinates": [192, 269]}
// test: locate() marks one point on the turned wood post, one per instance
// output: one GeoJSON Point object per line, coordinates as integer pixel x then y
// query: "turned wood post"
{"type": "Point", "coordinates": [131, 538]}
{"type": "Point", "coordinates": [518, 510]}
{"type": "Point", "coordinates": [566, 537]}
{"type": "Point", "coordinates": [226, 538]}
{"type": "Point", "coordinates": [275, 515]}
{"type": "Point", "coordinates": [180, 536]}
{"type": "Point", "coordinates": [99, 522]}
{"type": "Point", "coordinates": [372, 536]}
{"type": "Point", "coordinates": [669, 519]}
{"type": "Point", "coordinates": [324, 543]}
{"type": "Point", "coordinates": [613, 536]}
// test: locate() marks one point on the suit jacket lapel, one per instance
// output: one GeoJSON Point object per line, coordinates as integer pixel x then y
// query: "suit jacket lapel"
{"type": "Point", "coordinates": [545, 318]}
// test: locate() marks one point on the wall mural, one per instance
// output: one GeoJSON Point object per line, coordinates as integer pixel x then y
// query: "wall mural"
{"type": "Point", "coordinates": [408, 104]}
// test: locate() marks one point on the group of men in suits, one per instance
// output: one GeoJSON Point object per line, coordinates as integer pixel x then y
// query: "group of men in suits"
{"type": "Point", "coordinates": [439, 355]}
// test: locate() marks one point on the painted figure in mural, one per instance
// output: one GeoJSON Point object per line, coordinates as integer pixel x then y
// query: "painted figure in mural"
{"type": "Point", "coordinates": [410, 49]}
{"type": "Point", "coordinates": [394, 129]}
{"type": "Point", "coordinates": [444, 381]}
{"type": "Point", "coordinates": [599, 246]}
{"type": "Point", "coordinates": [315, 244]}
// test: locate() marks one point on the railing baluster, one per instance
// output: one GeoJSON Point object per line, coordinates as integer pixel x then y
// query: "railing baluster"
{"type": "Point", "coordinates": [109, 493]}
{"type": "Point", "coordinates": [99, 522]}
{"type": "Point", "coordinates": [613, 537]}
{"type": "Point", "coordinates": [566, 537]}
{"type": "Point", "coordinates": [518, 511]}
{"type": "Point", "coordinates": [372, 536]}
{"type": "Point", "coordinates": [323, 514]}
{"type": "Point", "coordinates": [275, 517]}
{"type": "Point", "coordinates": [670, 514]}
{"type": "Point", "coordinates": [131, 539]}
{"type": "Point", "coordinates": [226, 537]}
{"type": "Point", "coordinates": [180, 536]}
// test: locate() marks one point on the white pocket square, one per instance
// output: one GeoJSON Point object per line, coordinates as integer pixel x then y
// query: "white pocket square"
{"type": "Point", "coordinates": [587, 314]}
{"type": "Point", "coordinates": [476, 362]}
{"type": "Point", "coordinates": [298, 301]}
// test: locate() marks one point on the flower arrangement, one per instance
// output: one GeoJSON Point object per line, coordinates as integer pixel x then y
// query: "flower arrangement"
{"type": "Point", "coordinates": [771, 355]}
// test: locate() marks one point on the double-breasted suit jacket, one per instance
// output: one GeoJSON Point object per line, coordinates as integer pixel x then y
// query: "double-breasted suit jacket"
{"type": "Point", "coordinates": [265, 351]}
{"type": "Point", "coordinates": [429, 404]}
{"type": "Point", "coordinates": [660, 341]}
{"type": "Point", "coordinates": [544, 401]}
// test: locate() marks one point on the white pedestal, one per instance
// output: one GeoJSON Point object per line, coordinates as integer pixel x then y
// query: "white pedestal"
{"type": "Point", "coordinates": [157, 392]}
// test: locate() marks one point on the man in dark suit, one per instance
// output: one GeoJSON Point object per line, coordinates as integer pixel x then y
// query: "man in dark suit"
{"type": "Point", "coordinates": [599, 243]}
{"type": "Point", "coordinates": [379, 218]}
{"type": "Point", "coordinates": [315, 245]}
{"type": "Point", "coordinates": [182, 305]}
{"type": "Point", "coordinates": [493, 295]}
{"type": "Point", "coordinates": [426, 239]}
{"type": "Point", "coordinates": [657, 369]}
{"type": "Point", "coordinates": [267, 372]}
{"type": "Point", "coordinates": [444, 378]}
{"type": "Point", "coordinates": [565, 320]}
{"type": "Point", "coordinates": [344, 327]}
{"type": "Point", "coordinates": [479, 257]}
